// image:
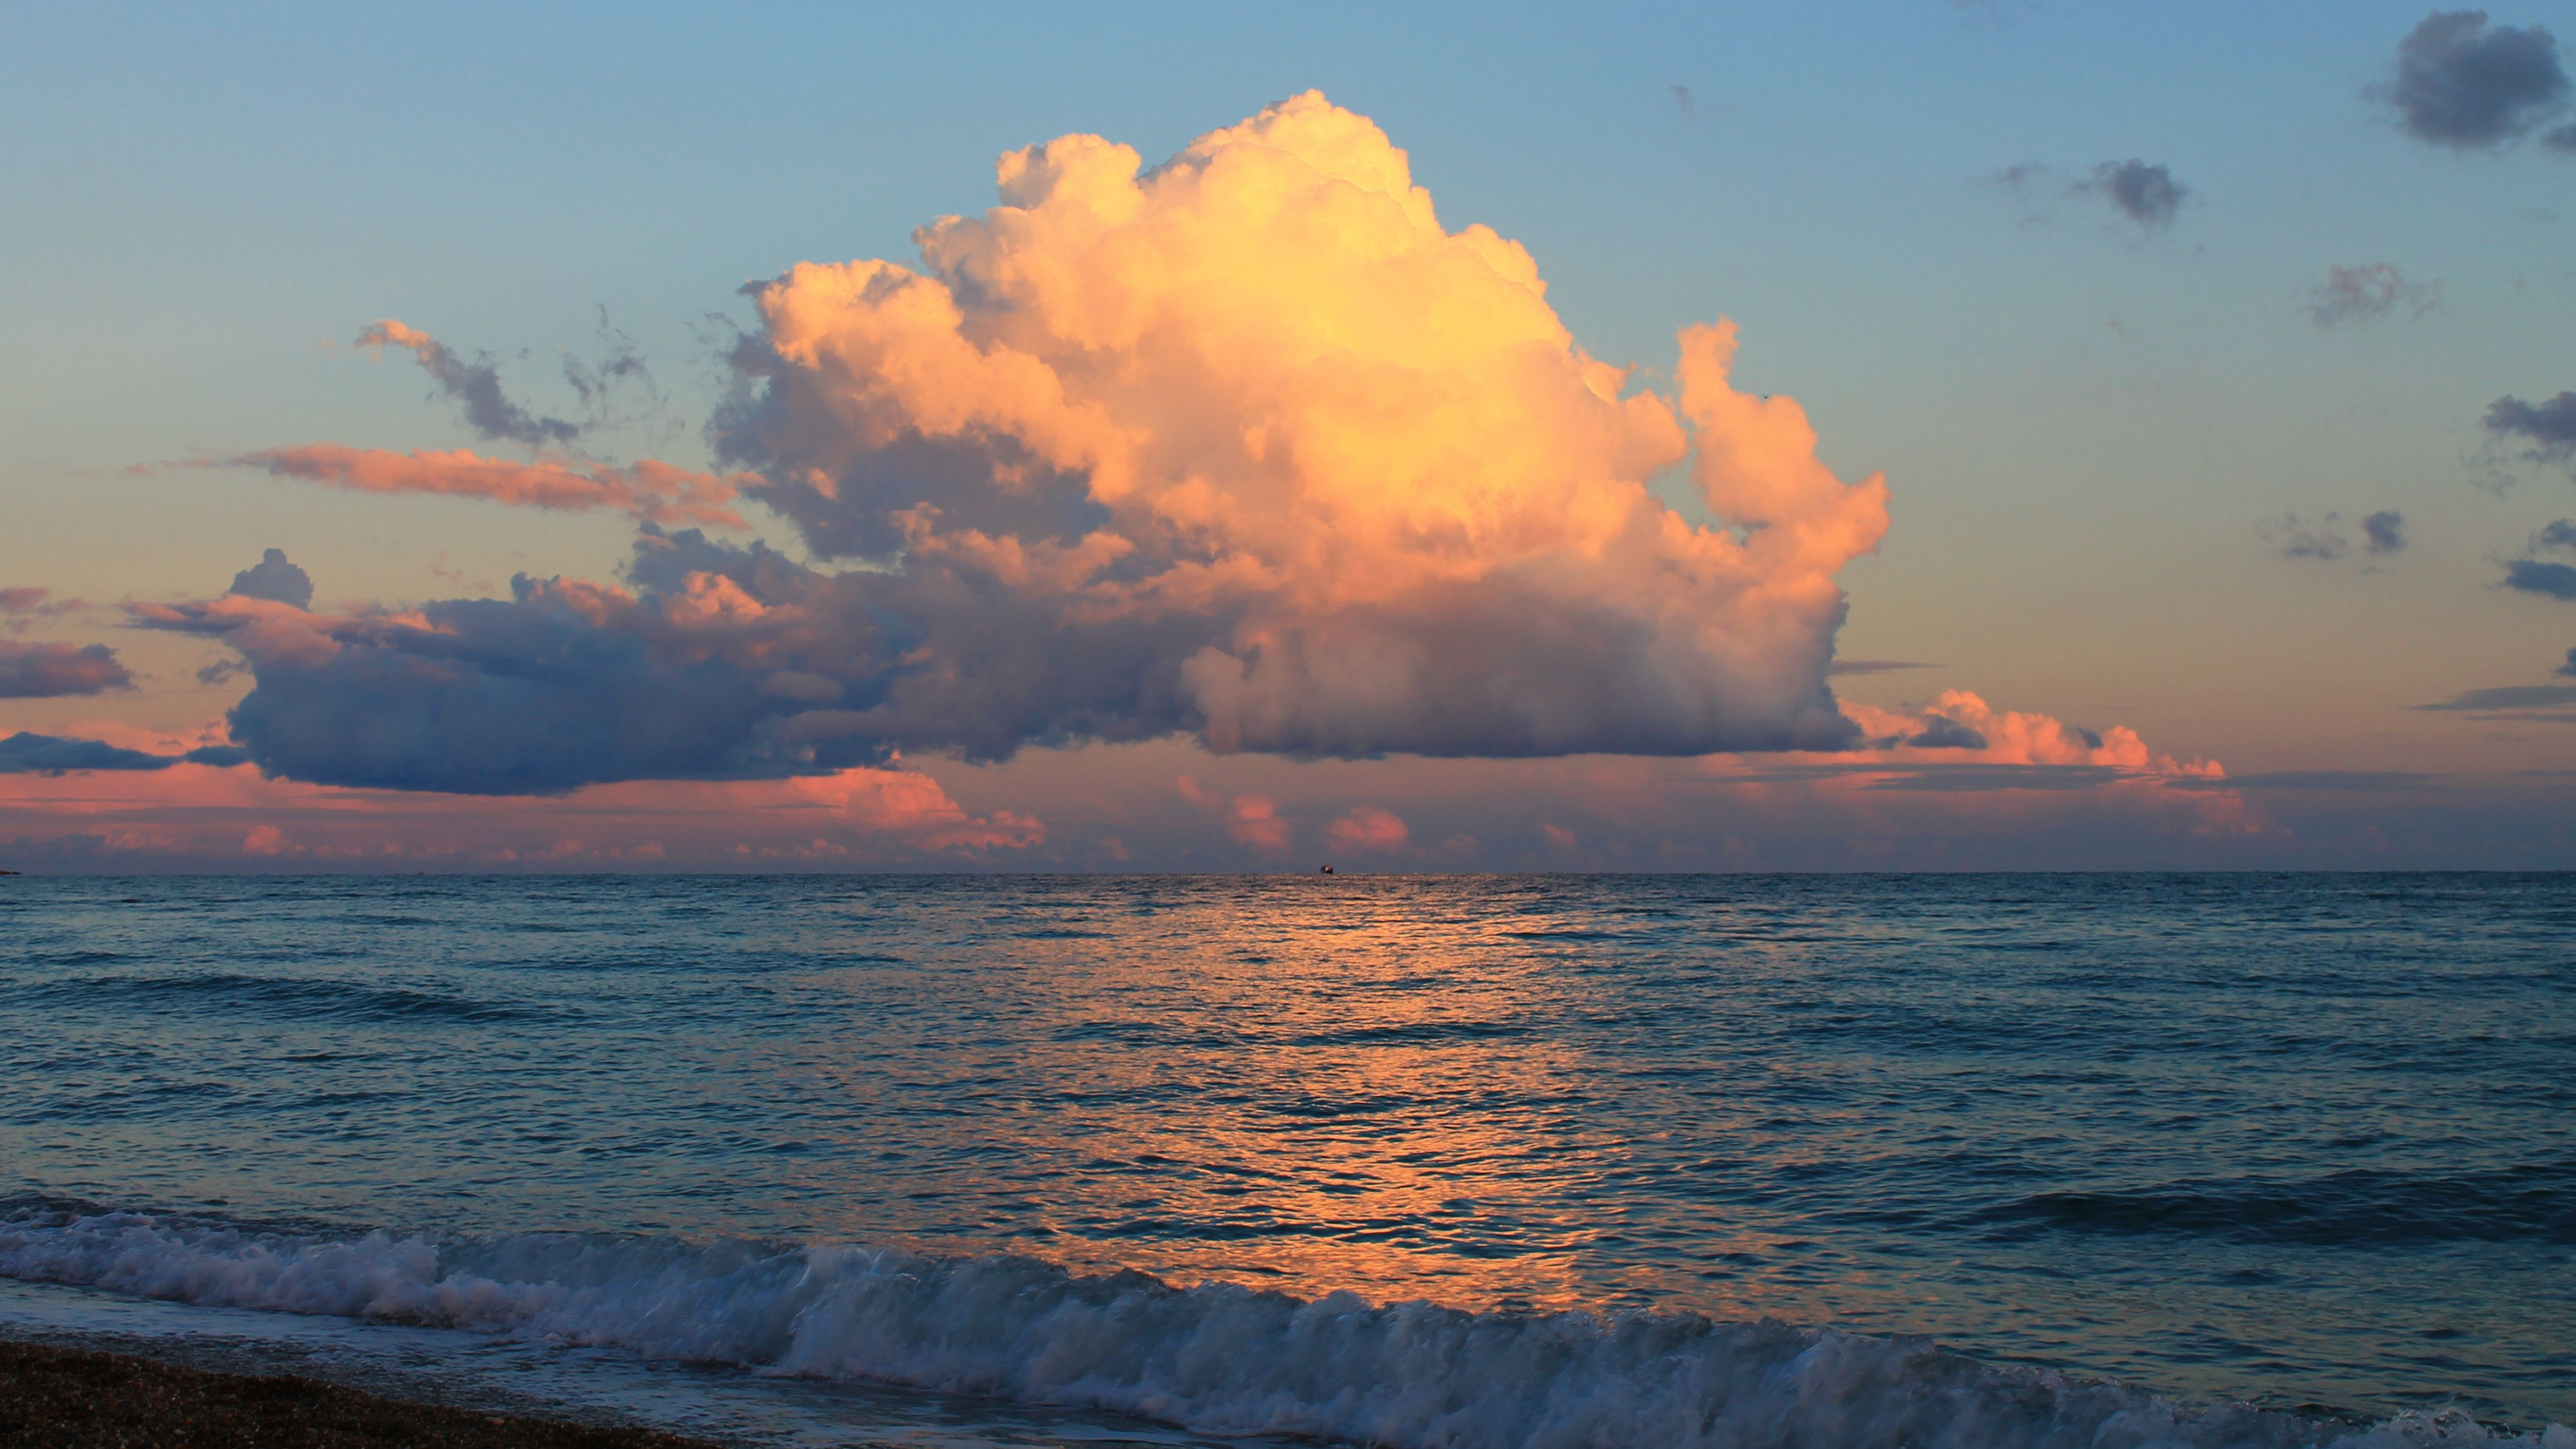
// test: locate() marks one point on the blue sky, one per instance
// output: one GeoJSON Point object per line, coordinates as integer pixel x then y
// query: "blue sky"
{"type": "Point", "coordinates": [2095, 430]}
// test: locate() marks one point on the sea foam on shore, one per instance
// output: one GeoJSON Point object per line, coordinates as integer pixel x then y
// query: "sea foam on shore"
{"type": "Point", "coordinates": [1215, 1357]}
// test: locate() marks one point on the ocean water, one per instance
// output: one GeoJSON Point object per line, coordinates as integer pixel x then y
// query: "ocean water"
{"type": "Point", "coordinates": [1446, 1161]}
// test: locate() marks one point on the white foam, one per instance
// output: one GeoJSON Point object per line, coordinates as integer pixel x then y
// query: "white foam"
{"type": "Point", "coordinates": [1214, 1358]}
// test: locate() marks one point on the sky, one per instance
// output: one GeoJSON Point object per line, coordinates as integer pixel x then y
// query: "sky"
{"type": "Point", "coordinates": [1917, 435]}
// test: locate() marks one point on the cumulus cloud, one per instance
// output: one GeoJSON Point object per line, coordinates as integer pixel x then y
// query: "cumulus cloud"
{"type": "Point", "coordinates": [2385, 531]}
{"type": "Point", "coordinates": [275, 579]}
{"type": "Point", "coordinates": [476, 387]}
{"type": "Point", "coordinates": [1247, 446]}
{"type": "Point", "coordinates": [50, 671]}
{"type": "Point", "coordinates": [1959, 727]}
{"type": "Point", "coordinates": [2147, 195]}
{"type": "Point", "coordinates": [2544, 432]}
{"type": "Point", "coordinates": [650, 490]}
{"type": "Point", "coordinates": [2568, 669]}
{"type": "Point", "coordinates": [2367, 293]}
{"type": "Point", "coordinates": [2461, 84]}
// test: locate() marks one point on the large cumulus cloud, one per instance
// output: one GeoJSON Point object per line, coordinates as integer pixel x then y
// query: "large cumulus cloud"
{"type": "Point", "coordinates": [1247, 446]}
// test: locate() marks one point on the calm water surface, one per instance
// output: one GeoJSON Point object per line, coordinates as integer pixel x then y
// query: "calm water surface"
{"type": "Point", "coordinates": [2294, 1140]}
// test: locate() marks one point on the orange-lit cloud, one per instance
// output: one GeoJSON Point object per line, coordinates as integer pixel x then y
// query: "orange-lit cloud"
{"type": "Point", "coordinates": [1248, 447]}
{"type": "Point", "coordinates": [202, 814]}
{"type": "Point", "coordinates": [1262, 388]}
{"type": "Point", "coordinates": [648, 489]}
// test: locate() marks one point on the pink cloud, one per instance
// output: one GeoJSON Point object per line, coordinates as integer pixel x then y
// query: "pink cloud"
{"type": "Point", "coordinates": [1367, 828]}
{"type": "Point", "coordinates": [47, 671]}
{"type": "Point", "coordinates": [649, 490]}
{"type": "Point", "coordinates": [207, 814]}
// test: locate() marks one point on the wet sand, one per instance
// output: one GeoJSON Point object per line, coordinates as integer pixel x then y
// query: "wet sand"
{"type": "Point", "coordinates": [67, 1398]}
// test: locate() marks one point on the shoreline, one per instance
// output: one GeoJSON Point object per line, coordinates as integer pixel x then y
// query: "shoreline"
{"type": "Point", "coordinates": [64, 1397]}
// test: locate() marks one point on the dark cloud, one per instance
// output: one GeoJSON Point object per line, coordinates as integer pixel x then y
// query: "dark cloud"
{"type": "Point", "coordinates": [2568, 669]}
{"type": "Point", "coordinates": [1874, 666]}
{"type": "Point", "coordinates": [1967, 776]}
{"type": "Point", "coordinates": [2370, 781]}
{"type": "Point", "coordinates": [732, 662]}
{"type": "Point", "coordinates": [50, 671]}
{"type": "Point", "coordinates": [476, 387]}
{"type": "Point", "coordinates": [620, 366]}
{"type": "Point", "coordinates": [724, 662]}
{"type": "Point", "coordinates": [2147, 195]}
{"type": "Point", "coordinates": [2297, 538]}
{"type": "Point", "coordinates": [275, 579]}
{"type": "Point", "coordinates": [2382, 533]}
{"type": "Point", "coordinates": [1947, 734]}
{"type": "Point", "coordinates": [2532, 576]}
{"type": "Point", "coordinates": [2562, 140]}
{"type": "Point", "coordinates": [33, 754]}
{"type": "Point", "coordinates": [2545, 431]}
{"type": "Point", "coordinates": [2560, 534]}
{"type": "Point", "coordinates": [2511, 697]}
{"type": "Point", "coordinates": [2364, 294]}
{"type": "Point", "coordinates": [2460, 84]}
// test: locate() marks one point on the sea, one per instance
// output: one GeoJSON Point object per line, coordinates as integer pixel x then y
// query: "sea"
{"type": "Point", "coordinates": [1449, 1162]}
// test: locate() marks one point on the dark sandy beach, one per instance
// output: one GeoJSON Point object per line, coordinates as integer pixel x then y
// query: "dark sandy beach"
{"type": "Point", "coordinates": [65, 1398]}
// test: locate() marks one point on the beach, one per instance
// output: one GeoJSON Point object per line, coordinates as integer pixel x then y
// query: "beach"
{"type": "Point", "coordinates": [72, 1398]}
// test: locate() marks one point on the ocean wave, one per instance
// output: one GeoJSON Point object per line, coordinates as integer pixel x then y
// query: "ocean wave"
{"type": "Point", "coordinates": [2534, 1202]}
{"type": "Point", "coordinates": [286, 996]}
{"type": "Point", "coordinates": [1215, 1358]}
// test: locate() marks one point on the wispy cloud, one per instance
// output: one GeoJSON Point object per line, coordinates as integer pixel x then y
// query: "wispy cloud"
{"type": "Point", "coordinates": [2351, 296]}
{"type": "Point", "coordinates": [475, 387]}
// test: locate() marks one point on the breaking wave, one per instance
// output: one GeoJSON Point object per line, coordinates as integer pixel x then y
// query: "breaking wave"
{"type": "Point", "coordinates": [1215, 1358]}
